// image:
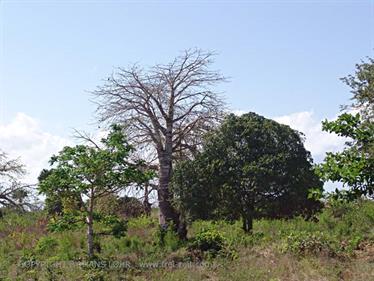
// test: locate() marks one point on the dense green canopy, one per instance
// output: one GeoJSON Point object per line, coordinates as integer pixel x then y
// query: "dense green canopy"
{"type": "Point", "coordinates": [250, 167]}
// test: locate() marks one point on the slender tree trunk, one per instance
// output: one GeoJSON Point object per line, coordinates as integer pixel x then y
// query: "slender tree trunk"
{"type": "Point", "coordinates": [248, 215]}
{"type": "Point", "coordinates": [146, 204]}
{"type": "Point", "coordinates": [90, 234]}
{"type": "Point", "coordinates": [247, 223]}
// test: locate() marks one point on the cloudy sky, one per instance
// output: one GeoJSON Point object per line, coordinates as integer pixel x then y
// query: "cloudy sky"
{"type": "Point", "coordinates": [284, 60]}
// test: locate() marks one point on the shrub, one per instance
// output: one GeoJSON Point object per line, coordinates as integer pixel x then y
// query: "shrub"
{"type": "Point", "coordinates": [114, 225]}
{"type": "Point", "coordinates": [208, 241]}
{"type": "Point", "coordinates": [141, 222]}
{"type": "Point", "coordinates": [302, 242]}
{"type": "Point", "coordinates": [348, 220]}
{"type": "Point", "coordinates": [133, 244]}
{"type": "Point", "coordinates": [46, 244]}
{"type": "Point", "coordinates": [168, 238]}
{"type": "Point", "coordinates": [69, 246]}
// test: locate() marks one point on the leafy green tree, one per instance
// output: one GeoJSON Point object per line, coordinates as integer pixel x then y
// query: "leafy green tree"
{"type": "Point", "coordinates": [89, 172]}
{"type": "Point", "coordinates": [250, 167]}
{"type": "Point", "coordinates": [354, 166]}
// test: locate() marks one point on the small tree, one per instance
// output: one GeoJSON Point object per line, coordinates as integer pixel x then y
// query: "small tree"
{"type": "Point", "coordinates": [250, 167]}
{"type": "Point", "coordinates": [89, 172]}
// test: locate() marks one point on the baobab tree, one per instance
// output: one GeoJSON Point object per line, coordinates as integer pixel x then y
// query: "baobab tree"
{"type": "Point", "coordinates": [166, 109]}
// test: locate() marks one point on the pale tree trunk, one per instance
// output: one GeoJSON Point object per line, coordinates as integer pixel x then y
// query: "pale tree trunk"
{"type": "Point", "coordinates": [90, 234]}
{"type": "Point", "coordinates": [146, 204]}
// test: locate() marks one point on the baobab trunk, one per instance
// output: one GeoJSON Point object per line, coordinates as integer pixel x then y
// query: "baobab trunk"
{"type": "Point", "coordinates": [167, 211]}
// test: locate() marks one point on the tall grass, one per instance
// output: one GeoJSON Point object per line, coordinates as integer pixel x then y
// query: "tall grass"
{"type": "Point", "coordinates": [337, 245]}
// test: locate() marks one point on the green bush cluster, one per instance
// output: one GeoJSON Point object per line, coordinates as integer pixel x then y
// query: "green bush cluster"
{"type": "Point", "coordinates": [209, 240]}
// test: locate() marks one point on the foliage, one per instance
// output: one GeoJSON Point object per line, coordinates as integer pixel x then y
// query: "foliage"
{"type": "Point", "coordinates": [167, 238]}
{"type": "Point", "coordinates": [208, 240]}
{"type": "Point", "coordinates": [91, 171]}
{"type": "Point", "coordinates": [250, 167]}
{"type": "Point", "coordinates": [58, 202]}
{"type": "Point", "coordinates": [362, 88]}
{"type": "Point", "coordinates": [131, 207]}
{"type": "Point", "coordinates": [303, 242]}
{"type": "Point", "coordinates": [113, 225]}
{"type": "Point", "coordinates": [126, 207]}
{"type": "Point", "coordinates": [142, 222]}
{"type": "Point", "coordinates": [353, 166]}
{"type": "Point", "coordinates": [46, 244]}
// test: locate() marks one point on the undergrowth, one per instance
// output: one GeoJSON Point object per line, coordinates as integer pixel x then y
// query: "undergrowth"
{"type": "Point", "coordinates": [336, 245]}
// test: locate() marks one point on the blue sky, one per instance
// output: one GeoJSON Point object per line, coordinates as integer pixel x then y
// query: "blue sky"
{"type": "Point", "coordinates": [284, 58]}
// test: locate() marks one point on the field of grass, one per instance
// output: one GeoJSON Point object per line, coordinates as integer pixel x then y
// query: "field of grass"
{"type": "Point", "coordinates": [337, 245]}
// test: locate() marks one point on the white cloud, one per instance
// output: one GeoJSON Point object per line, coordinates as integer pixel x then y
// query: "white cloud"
{"type": "Point", "coordinates": [23, 137]}
{"type": "Point", "coordinates": [317, 141]}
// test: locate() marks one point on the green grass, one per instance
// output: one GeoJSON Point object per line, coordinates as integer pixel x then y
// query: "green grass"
{"type": "Point", "coordinates": [338, 246]}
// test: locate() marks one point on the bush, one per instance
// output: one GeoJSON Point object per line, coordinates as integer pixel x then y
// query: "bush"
{"type": "Point", "coordinates": [133, 244]}
{"type": "Point", "coordinates": [302, 242]}
{"type": "Point", "coordinates": [348, 220]}
{"type": "Point", "coordinates": [141, 222]}
{"type": "Point", "coordinates": [46, 244]}
{"type": "Point", "coordinates": [168, 238]}
{"type": "Point", "coordinates": [208, 241]}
